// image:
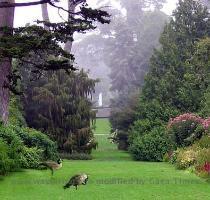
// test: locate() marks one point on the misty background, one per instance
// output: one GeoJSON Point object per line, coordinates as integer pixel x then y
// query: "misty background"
{"type": "Point", "coordinates": [121, 49]}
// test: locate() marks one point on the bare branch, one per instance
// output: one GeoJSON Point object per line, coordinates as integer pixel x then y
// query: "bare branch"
{"type": "Point", "coordinates": [9, 5]}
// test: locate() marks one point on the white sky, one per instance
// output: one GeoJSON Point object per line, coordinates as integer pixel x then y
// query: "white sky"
{"type": "Point", "coordinates": [25, 15]}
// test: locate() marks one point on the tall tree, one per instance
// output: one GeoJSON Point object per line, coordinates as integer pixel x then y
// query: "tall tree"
{"type": "Point", "coordinates": [6, 20]}
{"type": "Point", "coordinates": [58, 104]}
{"type": "Point", "coordinates": [72, 4]}
{"type": "Point", "coordinates": [45, 15]}
{"type": "Point", "coordinates": [178, 76]}
{"type": "Point", "coordinates": [172, 85]}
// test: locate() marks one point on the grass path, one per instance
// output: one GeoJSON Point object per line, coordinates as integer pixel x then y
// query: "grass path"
{"type": "Point", "coordinates": [113, 176]}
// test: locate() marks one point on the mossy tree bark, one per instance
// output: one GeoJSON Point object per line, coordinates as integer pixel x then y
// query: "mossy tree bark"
{"type": "Point", "coordinates": [6, 19]}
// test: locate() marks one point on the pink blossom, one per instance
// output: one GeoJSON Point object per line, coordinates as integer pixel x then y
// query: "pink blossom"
{"type": "Point", "coordinates": [186, 117]}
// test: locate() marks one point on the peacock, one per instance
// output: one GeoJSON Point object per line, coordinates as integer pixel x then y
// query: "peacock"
{"type": "Point", "coordinates": [52, 165]}
{"type": "Point", "coordinates": [76, 180]}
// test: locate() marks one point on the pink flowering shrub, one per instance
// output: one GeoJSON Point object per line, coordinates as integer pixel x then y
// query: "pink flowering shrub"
{"type": "Point", "coordinates": [185, 129]}
{"type": "Point", "coordinates": [206, 123]}
{"type": "Point", "coordinates": [190, 117]}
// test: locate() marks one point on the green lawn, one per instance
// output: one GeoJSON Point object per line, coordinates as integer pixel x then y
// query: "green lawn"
{"type": "Point", "coordinates": [102, 126]}
{"type": "Point", "coordinates": [113, 176]}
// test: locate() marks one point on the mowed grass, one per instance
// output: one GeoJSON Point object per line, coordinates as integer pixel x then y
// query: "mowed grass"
{"type": "Point", "coordinates": [113, 176]}
{"type": "Point", "coordinates": [102, 126]}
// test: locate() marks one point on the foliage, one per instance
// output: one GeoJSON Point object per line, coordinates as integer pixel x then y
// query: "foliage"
{"type": "Point", "coordinates": [33, 138]}
{"type": "Point", "coordinates": [204, 142]}
{"type": "Point", "coordinates": [9, 156]}
{"type": "Point", "coordinates": [76, 156]}
{"type": "Point", "coordinates": [25, 42]}
{"type": "Point", "coordinates": [185, 129]}
{"type": "Point", "coordinates": [185, 117]}
{"type": "Point", "coordinates": [23, 148]}
{"type": "Point", "coordinates": [113, 171]}
{"type": "Point", "coordinates": [31, 157]}
{"type": "Point", "coordinates": [59, 106]}
{"type": "Point", "coordinates": [185, 133]}
{"type": "Point", "coordinates": [151, 146]}
{"type": "Point", "coordinates": [123, 48]}
{"type": "Point", "coordinates": [142, 127]}
{"type": "Point", "coordinates": [15, 112]}
{"type": "Point", "coordinates": [128, 54]}
{"type": "Point", "coordinates": [186, 158]}
{"type": "Point", "coordinates": [172, 83]}
{"type": "Point", "coordinates": [122, 116]}
{"type": "Point", "coordinates": [195, 157]}
{"type": "Point", "coordinates": [179, 76]}
{"type": "Point", "coordinates": [202, 163]}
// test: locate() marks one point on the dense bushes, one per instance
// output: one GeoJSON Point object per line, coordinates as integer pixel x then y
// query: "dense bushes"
{"type": "Point", "coordinates": [195, 156]}
{"type": "Point", "coordinates": [34, 138]}
{"type": "Point", "coordinates": [23, 148]}
{"type": "Point", "coordinates": [9, 156]}
{"type": "Point", "coordinates": [30, 157]}
{"type": "Point", "coordinates": [151, 146]}
{"type": "Point", "coordinates": [177, 82]}
{"type": "Point", "coordinates": [76, 156]}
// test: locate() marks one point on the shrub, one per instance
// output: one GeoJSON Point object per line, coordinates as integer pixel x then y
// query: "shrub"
{"type": "Point", "coordinates": [186, 158]}
{"type": "Point", "coordinates": [34, 138]}
{"type": "Point", "coordinates": [122, 140]}
{"type": "Point", "coordinates": [169, 156]}
{"type": "Point", "coordinates": [173, 157]}
{"type": "Point", "coordinates": [142, 127]}
{"type": "Point", "coordinates": [120, 137]}
{"type": "Point", "coordinates": [185, 117]}
{"type": "Point", "coordinates": [23, 147]}
{"type": "Point", "coordinates": [151, 146]}
{"type": "Point", "coordinates": [9, 156]}
{"type": "Point", "coordinates": [204, 142]}
{"type": "Point", "coordinates": [4, 158]}
{"type": "Point", "coordinates": [185, 133]}
{"type": "Point", "coordinates": [76, 156]}
{"type": "Point", "coordinates": [30, 157]}
{"type": "Point", "coordinates": [203, 157]}
{"type": "Point", "coordinates": [202, 164]}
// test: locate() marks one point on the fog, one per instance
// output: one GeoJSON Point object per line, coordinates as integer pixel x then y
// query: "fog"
{"type": "Point", "coordinates": [97, 51]}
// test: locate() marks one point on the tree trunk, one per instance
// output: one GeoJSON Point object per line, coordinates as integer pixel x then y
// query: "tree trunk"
{"type": "Point", "coordinates": [71, 7]}
{"type": "Point", "coordinates": [6, 19]}
{"type": "Point", "coordinates": [45, 15]}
